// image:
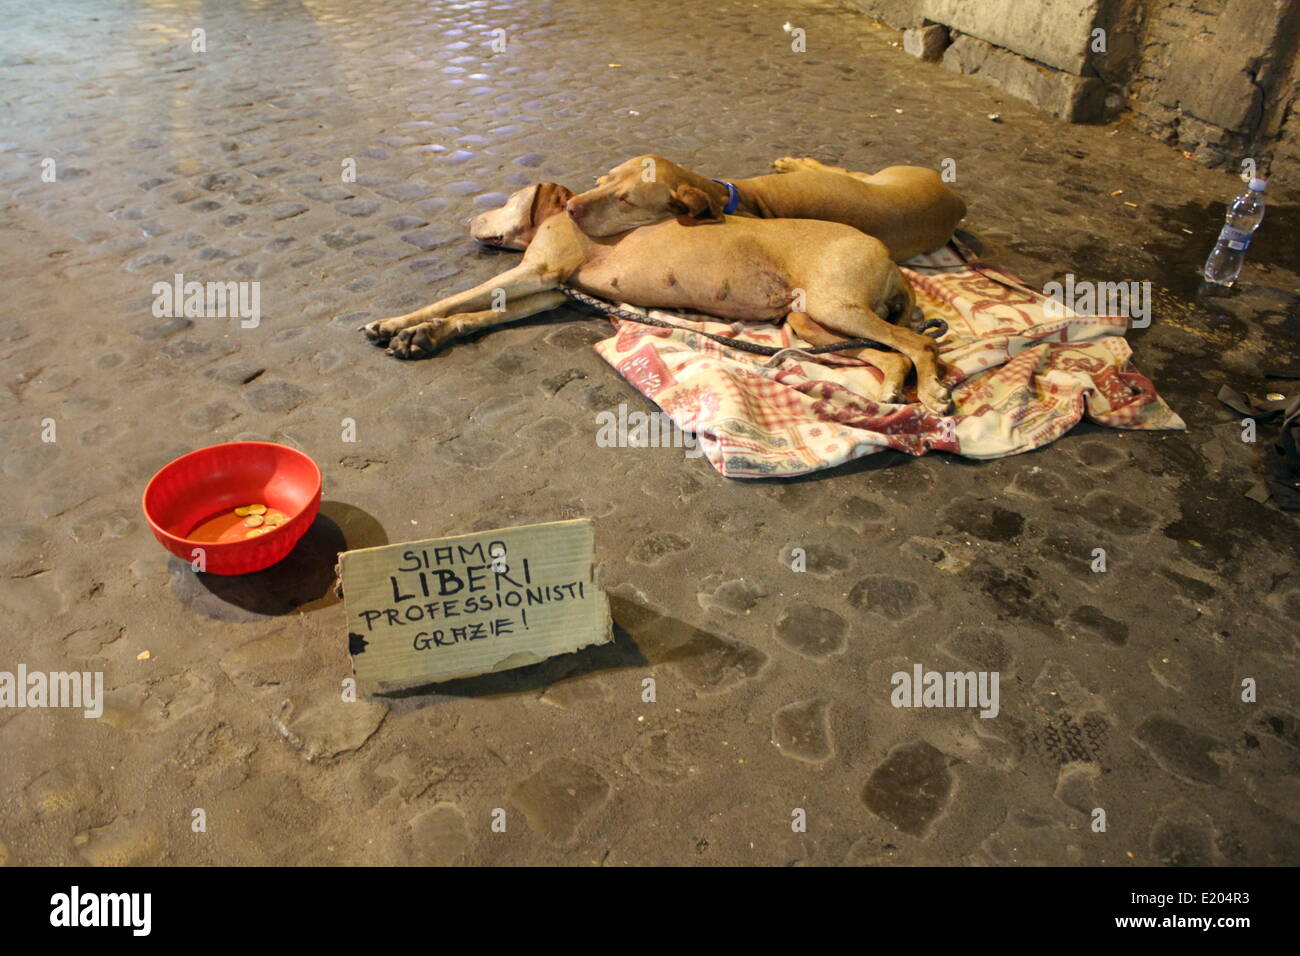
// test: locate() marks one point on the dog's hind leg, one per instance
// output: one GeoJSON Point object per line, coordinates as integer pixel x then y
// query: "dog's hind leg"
{"type": "Point", "coordinates": [893, 366]}
{"type": "Point", "coordinates": [860, 322]}
{"type": "Point", "coordinates": [424, 338]}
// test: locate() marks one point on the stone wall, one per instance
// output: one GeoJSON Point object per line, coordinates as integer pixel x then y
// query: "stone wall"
{"type": "Point", "coordinates": [1218, 79]}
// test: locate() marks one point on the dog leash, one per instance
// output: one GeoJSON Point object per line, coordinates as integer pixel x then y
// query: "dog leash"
{"type": "Point", "coordinates": [738, 344]}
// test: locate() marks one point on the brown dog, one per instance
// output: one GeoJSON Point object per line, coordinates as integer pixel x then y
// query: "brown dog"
{"type": "Point", "coordinates": [513, 225]}
{"type": "Point", "coordinates": [908, 208]}
{"type": "Point", "coordinates": [736, 268]}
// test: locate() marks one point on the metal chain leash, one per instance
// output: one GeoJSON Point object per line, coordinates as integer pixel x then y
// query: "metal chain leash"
{"type": "Point", "coordinates": [738, 344]}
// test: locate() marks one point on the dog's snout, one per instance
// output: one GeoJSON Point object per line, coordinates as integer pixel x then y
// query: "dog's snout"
{"type": "Point", "coordinates": [575, 209]}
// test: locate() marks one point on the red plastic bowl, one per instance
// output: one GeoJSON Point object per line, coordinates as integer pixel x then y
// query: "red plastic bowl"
{"type": "Point", "coordinates": [204, 484]}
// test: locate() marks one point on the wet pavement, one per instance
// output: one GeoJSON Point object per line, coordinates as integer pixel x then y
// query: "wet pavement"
{"type": "Point", "coordinates": [1121, 690]}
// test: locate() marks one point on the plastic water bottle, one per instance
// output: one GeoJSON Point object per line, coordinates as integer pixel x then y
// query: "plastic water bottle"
{"type": "Point", "coordinates": [1244, 216]}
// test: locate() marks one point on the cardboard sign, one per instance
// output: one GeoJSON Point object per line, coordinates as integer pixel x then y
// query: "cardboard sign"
{"type": "Point", "coordinates": [429, 611]}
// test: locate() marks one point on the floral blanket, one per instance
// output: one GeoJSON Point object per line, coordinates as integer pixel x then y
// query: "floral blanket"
{"type": "Point", "coordinates": [1020, 379]}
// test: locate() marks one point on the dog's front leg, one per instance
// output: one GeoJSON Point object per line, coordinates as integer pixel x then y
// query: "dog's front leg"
{"type": "Point", "coordinates": [525, 279]}
{"type": "Point", "coordinates": [424, 338]}
{"type": "Point", "coordinates": [794, 164]}
{"type": "Point", "coordinates": [791, 164]}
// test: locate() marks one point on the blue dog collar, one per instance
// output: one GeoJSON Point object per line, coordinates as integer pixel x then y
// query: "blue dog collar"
{"type": "Point", "coordinates": [733, 196]}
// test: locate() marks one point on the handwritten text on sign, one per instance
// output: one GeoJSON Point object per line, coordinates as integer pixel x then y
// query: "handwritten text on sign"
{"type": "Point", "coordinates": [428, 611]}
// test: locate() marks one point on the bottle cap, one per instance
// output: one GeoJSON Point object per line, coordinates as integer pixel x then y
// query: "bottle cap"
{"type": "Point", "coordinates": [1257, 185]}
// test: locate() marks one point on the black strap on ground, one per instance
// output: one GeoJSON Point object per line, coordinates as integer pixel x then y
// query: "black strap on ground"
{"type": "Point", "coordinates": [1283, 482]}
{"type": "Point", "coordinates": [739, 344]}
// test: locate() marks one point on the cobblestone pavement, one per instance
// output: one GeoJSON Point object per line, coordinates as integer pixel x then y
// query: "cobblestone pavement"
{"type": "Point", "coordinates": [1120, 690]}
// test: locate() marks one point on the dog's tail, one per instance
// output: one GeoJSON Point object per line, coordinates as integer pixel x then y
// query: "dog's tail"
{"type": "Point", "coordinates": [900, 306]}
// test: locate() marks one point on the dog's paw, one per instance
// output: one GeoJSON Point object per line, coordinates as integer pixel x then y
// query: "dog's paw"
{"type": "Point", "coordinates": [419, 341]}
{"type": "Point", "coordinates": [893, 393]}
{"type": "Point", "coordinates": [380, 331]}
{"type": "Point", "coordinates": [786, 164]}
{"type": "Point", "coordinates": [934, 397]}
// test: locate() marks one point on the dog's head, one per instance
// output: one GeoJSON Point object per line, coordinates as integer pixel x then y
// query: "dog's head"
{"type": "Point", "coordinates": [642, 191]}
{"type": "Point", "coordinates": [513, 225]}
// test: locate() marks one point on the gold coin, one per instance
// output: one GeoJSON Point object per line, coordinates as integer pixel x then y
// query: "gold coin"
{"type": "Point", "coordinates": [257, 509]}
{"type": "Point", "coordinates": [275, 517]}
{"type": "Point", "coordinates": [253, 521]}
{"type": "Point", "coordinates": [242, 511]}
{"type": "Point", "coordinates": [254, 533]}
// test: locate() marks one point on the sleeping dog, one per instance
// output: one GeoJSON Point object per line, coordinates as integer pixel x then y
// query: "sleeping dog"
{"type": "Point", "coordinates": [908, 208]}
{"type": "Point", "coordinates": [735, 268]}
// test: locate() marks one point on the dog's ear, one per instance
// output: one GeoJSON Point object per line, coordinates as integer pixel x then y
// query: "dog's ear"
{"type": "Point", "coordinates": [548, 199]}
{"type": "Point", "coordinates": [693, 205]}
